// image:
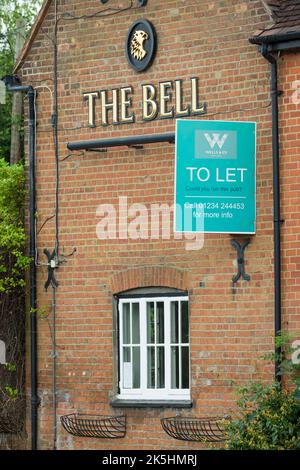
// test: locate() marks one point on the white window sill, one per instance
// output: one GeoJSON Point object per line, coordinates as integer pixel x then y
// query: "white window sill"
{"type": "Point", "coordinates": [132, 403]}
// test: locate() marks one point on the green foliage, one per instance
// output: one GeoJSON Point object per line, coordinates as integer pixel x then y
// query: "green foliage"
{"type": "Point", "coordinates": [41, 312]}
{"type": "Point", "coordinates": [13, 262]}
{"type": "Point", "coordinates": [270, 420]}
{"type": "Point", "coordinates": [10, 367]}
{"type": "Point", "coordinates": [11, 392]}
{"type": "Point", "coordinates": [269, 415]}
{"type": "Point", "coordinates": [10, 12]}
{"type": "Point", "coordinates": [284, 354]}
{"type": "Point", "coordinates": [5, 123]}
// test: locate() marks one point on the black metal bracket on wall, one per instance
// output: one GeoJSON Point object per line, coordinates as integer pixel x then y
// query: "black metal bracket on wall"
{"type": "Point", "coordinates": [51, 267]}
{"type": "Point", "coordinates": [240, 248]}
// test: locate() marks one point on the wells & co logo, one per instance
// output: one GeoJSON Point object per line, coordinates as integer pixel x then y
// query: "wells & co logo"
{"type": "Point", "coordinates": [215, 139]}
{"type": "Point", "coordinates": [214, 144]}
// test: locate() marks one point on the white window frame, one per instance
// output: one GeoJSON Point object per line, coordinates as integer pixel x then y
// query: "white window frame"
{"type": "Point", "coordinates": [144, 393]}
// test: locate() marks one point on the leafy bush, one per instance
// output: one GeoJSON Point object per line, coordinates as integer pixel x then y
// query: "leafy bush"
{"type": "Point", "coordinates": [13, 261]}
{"type": "Point", "coordinates": [269, 415]}
{"type": "Point", "coordinates": [13, 264]}
{"type": "Point", "coordinates": [270, 420]}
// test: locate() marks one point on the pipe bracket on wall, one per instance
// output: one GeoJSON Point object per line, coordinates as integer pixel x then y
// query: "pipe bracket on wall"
{"type": "Point", "coordinates": [51, 267]}
{"type": "Point", "coordinates": [240, 248]}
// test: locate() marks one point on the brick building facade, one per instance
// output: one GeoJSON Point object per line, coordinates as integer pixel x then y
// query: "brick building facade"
{"type": "Point", "coordinates": [231, 325]}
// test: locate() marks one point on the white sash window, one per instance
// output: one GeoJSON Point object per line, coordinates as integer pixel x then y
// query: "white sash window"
{"type": "Point", "coordinates": [154, 349]}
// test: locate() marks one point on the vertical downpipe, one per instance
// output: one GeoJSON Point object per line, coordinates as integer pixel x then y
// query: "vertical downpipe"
{"type": "Point", "coordinates": [53, 354]}
{"type": "Point", "coordinates": [33, 290]}
{"type": "Point", "coordinates": [276, 201]}
{"type": "Point", "coordinates": [54, 119]}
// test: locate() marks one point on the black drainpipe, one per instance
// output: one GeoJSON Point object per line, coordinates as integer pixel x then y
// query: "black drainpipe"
{"type": "Point", "coordinates": [12, 85]}
{"type": "Point", "coordinates": [276, 200]}
{"type": "Point", "coordinates": [33, 292]}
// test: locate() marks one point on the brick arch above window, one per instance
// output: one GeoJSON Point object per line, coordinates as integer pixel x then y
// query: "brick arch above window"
{"type": "Point", "coordinates": [150, 276]}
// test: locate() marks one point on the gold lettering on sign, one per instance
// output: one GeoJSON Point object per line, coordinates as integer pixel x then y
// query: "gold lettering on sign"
{"type": "Point", "coordinates": [166, 101]}
{"type": "Point", "coordinates": [197, 108]}
{"type": "Point", "coordinates": [91, 99]}
{"type": "Point", "coordinates": [179, 111]}
{"type": "Point", "coordinates": [165, 90]}
{"type": "Point", "coordinates": [126, 103]}
{"type": "Point", "coordinates": [150, 108]}
{"type": "Point", "coordinates": [108, 106]}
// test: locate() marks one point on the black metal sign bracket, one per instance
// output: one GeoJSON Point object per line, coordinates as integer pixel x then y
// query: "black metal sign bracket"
{"type": "Point", "coordinates": [240, 248]}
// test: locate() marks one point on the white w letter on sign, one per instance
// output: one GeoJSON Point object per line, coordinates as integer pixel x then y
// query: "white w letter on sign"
{"type": "Point", "coordinates": [216, 140]}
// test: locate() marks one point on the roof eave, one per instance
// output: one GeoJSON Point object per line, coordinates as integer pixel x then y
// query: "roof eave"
{"type": "Point", "coordinates": [276, 38]}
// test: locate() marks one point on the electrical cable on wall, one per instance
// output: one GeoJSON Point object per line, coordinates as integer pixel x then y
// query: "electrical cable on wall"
{"type": "Point", "coordinates": [219, 113]}
{"type": "Point", "coordinates": [55, 260]}
{"type": "Point", "coordinates": [108, 12]}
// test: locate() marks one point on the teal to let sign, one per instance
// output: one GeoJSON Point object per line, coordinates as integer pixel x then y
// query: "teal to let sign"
{"type": "Point", "coordinates": [215, 177]}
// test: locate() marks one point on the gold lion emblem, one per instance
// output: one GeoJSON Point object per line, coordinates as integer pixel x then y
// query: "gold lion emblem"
{"type": "Point", "coordinates": [137, 45]}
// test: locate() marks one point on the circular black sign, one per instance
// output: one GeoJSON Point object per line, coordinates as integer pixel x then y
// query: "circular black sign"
{"type": "Point", "coordinates": [141, 45]}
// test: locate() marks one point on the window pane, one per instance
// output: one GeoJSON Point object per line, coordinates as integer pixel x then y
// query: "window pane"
{"type": "Point", "coordinates": [150, 322]}
{"type": "Point", "coordinates": [136, 375]}
{"type": "Point", "coordinates": [127, 370]}
{"type": "Point", "coordinates": [185, 376]}
{"type": "Point", "coordinates": [135, 323]}
{"type": "Point", "coordinates": [160, 367]}
{"type": "Point", "coordinates": [126, 355]}
{"type": "Point", "coordinates": [151, 367]}
{"type": "Point", "coordinates": [184, 322]}
{"type": "Point", "coordinates": [126, 323]}
{"type": "Point", "coordinates": [174, 322]}
{"type": "Point", "coordinates": [160, 326]}
{"type": "Point", "coordinates": [174, 367]}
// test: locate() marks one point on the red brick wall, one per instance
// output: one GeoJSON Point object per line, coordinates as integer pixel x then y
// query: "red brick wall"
{"type": "Point", "coordinates": [231, 326]}
{"type": "Point", "coordinates": [289, 68]}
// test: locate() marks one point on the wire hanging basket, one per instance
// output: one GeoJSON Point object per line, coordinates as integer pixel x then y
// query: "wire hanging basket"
{"type": "Point", "coordinates": [84, 425]}
{"type": "Point", "coordinates": [195, 429]}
